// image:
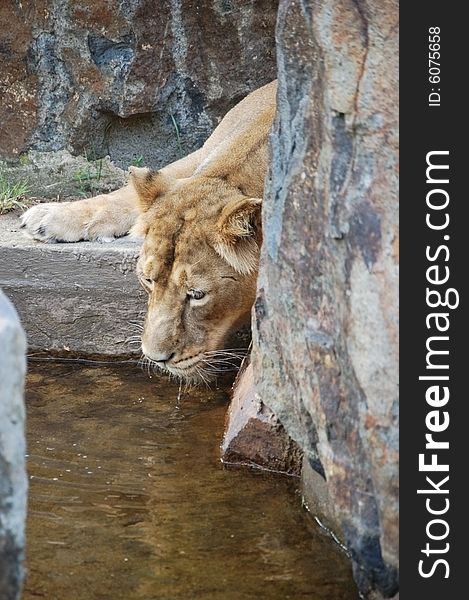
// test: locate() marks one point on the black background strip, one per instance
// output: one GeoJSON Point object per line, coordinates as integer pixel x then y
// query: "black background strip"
{"type": "Point", "coordinates": [423, 129]}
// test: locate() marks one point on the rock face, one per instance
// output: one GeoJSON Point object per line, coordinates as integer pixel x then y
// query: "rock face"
{"type": "Point", "coordinates": [325, 334]}
{"type": "Point", "coordinates": [13, 485]}
{"type": "Point", "coordinates": [138, 80]}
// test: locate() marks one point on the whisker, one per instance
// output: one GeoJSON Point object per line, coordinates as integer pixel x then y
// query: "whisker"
{"type": "Point", "coordinates": [225, 354]}
{"type": "Point", "coordinates": [238, 349]}
{"type": "Point", "coordinates": [202, 374]}
{"type": "Point", "coordinates": [220, 368]}
{"type": "Point", "coordinates": [137, 340]}
{"type": "Point", "coordinates": [225, 359]}
{"type": "Point", "coordinates": [218, 371]}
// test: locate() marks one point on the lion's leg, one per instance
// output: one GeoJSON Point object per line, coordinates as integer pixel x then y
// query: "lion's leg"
{"type": "Point", "coordinates": [185, 167]}
{"type": "Point", "coordinates": [112, 215]}
{"type": "Point", "coordinates": [100, 218]}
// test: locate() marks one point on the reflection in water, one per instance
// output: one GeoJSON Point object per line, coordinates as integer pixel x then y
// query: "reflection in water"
{"type": "Point", "coordinates": [129, 500]}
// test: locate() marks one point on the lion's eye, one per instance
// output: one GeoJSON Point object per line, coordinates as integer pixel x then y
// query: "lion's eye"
{"type": "Point", "coordinates": [147, 283]}
{"type": "Point", "coordinates": [195, 294]}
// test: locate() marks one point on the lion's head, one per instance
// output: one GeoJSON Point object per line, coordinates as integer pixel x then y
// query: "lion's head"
{"type": "Point", "coordinates": [198, 264]}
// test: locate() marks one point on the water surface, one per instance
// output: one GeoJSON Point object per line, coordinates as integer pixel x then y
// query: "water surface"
{"type": "Point", "coordinates": [129, 500]}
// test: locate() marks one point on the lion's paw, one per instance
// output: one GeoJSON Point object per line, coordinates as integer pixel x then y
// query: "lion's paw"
{"type": "Point", "coordinates": [52, 222]}
{"type": "Point", "coordinates": [63, 222]}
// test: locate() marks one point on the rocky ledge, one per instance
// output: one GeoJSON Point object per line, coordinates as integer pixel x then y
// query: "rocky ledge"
{"type": "Point", "coordinates": [77, 299]}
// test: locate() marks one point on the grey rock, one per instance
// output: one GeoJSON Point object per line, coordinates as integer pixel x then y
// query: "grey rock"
{"type": "Point", "coordinates": [318, 502]}
{"type": "Point", "coordinates": [325, 334]}
{"type": "Point", "coordinates": [13, 483]}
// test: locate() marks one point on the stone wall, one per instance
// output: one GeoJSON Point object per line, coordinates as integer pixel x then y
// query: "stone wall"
{"type": "Point", "coordinates": [325, 334]}
{"type": "Point", "coordinates": [138, 80]}
{"type": "Point", "coordinates": [13, 485]}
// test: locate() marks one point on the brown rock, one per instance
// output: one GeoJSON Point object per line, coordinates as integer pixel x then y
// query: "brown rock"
{"type": "Point", "coordinates": [325, 338]}
{"type": "Point", "coordinates": [253, 434]}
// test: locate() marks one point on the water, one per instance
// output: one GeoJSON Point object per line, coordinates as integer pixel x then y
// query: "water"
{"type": "Point", "coordinates": [129, 500]}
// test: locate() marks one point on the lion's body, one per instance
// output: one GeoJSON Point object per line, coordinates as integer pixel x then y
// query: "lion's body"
{"type": "Point", "coordinates": [200, 220]}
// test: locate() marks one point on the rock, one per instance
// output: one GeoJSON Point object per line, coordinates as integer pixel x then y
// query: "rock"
{"type": "Point", "coordinates": [317, 500]}
{"type": "Point", "coordinates": [253, 434]}
{"type": "Point", "coordinates": [13, 483]}
{"type": "Point", "coordinates": [136, 80]}
{"type": "Point", "coordinates": [325, 335]}
{"type": "Point", "coordinates": [75, 299]}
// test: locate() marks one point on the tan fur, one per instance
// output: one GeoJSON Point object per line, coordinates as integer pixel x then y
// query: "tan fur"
{"type": "Point", "coordinates": [200, 219]}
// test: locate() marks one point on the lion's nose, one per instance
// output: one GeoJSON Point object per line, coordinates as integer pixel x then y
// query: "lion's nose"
{"type": "Point", "coordinates": [162, 357]}
{"type": "Point", "coordinates": [158, 357]}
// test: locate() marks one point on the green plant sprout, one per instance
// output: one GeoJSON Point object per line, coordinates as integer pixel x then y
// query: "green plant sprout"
{"type": "Point", "coordinates": [11, 195]}
{"type": "Point", "coordinates": [138, 161]}
{"type": "Point", "coordinates": [178, 134]}
{"type": "Point", "coordinates": [89, 176]}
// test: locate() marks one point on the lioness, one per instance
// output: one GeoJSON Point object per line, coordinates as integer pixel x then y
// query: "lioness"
{"type": "Point", "coordinates": [200, 220]}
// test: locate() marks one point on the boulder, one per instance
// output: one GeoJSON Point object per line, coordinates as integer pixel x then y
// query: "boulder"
{"type": "Point", "coordinates": [325, 333]}
{"type": "Point", "coordinates": [317, 501]}
{"type": "Point", "coordinates": [13, 483]}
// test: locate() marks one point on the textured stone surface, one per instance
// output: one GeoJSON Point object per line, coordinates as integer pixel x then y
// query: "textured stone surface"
{"type": "Point", "coordinates": [317, 500]}
{"type": "Point", "coordinates": [81, 298]}
{"type": "Point", "coordinates": [325, 347]}
{"type": "Point", "coordinates": [13, 484]}
{"type": "Point", "coordinates": [253, 434]}
{"type": "Point", "coordinates": [130, 79]}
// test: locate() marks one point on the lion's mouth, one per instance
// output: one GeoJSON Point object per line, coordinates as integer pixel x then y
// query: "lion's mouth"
{"type": "Point", "coordinates": [204, 366]}
{"type": "Point", "coordinates": [186, 364]}
{"type": "Point", "coordinates": [190, 369]}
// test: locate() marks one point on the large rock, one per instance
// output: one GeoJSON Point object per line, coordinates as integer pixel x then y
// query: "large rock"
{"type": "Point", "coordinates": [13, 484]}
{"type": "Point", "coordinates": [325, 339]}
{"type": "Point", "coordinates": [136, 80]}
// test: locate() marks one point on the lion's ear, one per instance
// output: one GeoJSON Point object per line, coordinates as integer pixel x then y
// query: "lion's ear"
{"type": "Point", "coordinates": [149, 185]}
{"type": "Point", "coordinates": [238, 234]}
